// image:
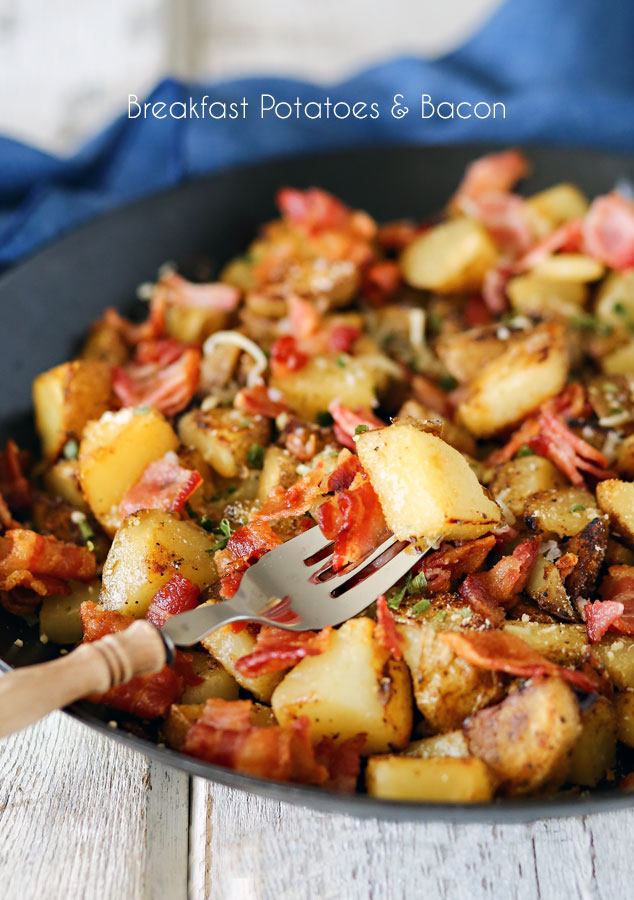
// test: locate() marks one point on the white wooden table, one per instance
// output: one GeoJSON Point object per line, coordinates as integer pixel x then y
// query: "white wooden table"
{"type": "Point", "coordinates": [83, 817]}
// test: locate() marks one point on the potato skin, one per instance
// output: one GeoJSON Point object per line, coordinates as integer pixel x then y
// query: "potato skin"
{"type": "Point", "coordinates": [227, 646]}
{"type": "Point", "coordinates": [66, 398]}
{"type": "Point", "coordinates": [518, 479]}
{"type": "Point", "coordinates": [562, 512]}
{"type": "Point", "coordinates": [432, 780]}
{"type": "Point", "coordinates": [616, 498]}
{"type": "Point", "coordinates": [224, 437]}
{"type": "Point", "coordinates": [216, 681]}
{"type": "Point", "coordinates": [528, 739]}
{"type": "Point", "coordinates": [447, 689]}
{"type": "Point", "coordinates": [353, 686]}
{"type": "Point", "coordinates": [594, 752]}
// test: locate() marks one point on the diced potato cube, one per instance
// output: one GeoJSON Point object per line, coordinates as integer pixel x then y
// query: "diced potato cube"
{"type": "Point", "coordinates": [106, 344]}
{"type": "Point", "coordinates": [451, 257]}
{"type": "Point", "coordinates": [59, 614]}
{"type": "Point", "coordinates": [193, 324]}
{"type": "Point", "coordinates": [520, 478]}
{"type": "Point", "coordinates": [279, 469]}
{"type": "Point", "coordinates": [62, 480]}
{"type": "Point", "coordinates": [542, 297]}
{"type": "Point", "coordinates": [353, 686]}
{"type": "Point", "coordinates": [352, 380]}
{"type": "Point", "coordinates": [558, 204]}
{"type": "Point", "coordinates": [438, 780]}
{"type": "Point", "coordinates": [615, 653]}
{"type": "Point", "coordinates": [562, 512]}
{"type": "Point", "coordinates": [228, 646]}
{"type": "Point", "coordinates": [466, 353]}
{"type": "Point", "coordinates": [216, 681]}
{"type": "Point", "coordinates": [594, 753]}
{"type": "Point", "coordinates": [224, 437]}
{"type": "Point", "coordinates": [615, 301]}
{"type": "Point", "coordinates": [624, 707]}
{"type": "Point", "coordinates": [452, 743]}
{"type": "Point", "coordinates": [562, 644]}
{"type": "Point", "coordinates": [180, 718]}
{"type": "Point", "coordinates": [569, 267]}
{"type": "Point", "coordinates": [66, 398]}
{"type": "Point", "coordinates": [114, 452]}
{"type": "Point", "coordinates": [148, 550]}
{"type": "Point", "coordinates": [426, 487]}
{"type": "Point", "coordinates": [447, 688]}
{"type": "Point", "coordinates": [546, 587]}
{"type": "Point", "coordinates": [625, 457]}
{"type": "Point", "coordinates": [619, 361]}
{"type": "Point", "coordinates": [616, 498]}
{"type": "Point", "coordinates": [517, 382]}
{"type": "Point", "coordinates": [528, 739]}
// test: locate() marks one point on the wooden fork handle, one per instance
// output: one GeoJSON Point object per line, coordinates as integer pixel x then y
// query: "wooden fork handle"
{"type": "Point", "coordinates": [28, 694]}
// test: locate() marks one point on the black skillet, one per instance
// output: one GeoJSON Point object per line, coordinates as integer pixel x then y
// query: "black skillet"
{"type": "Point", "coordinates": [49, 301]}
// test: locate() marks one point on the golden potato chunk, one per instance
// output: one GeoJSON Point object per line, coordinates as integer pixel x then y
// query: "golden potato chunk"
{"type": "Point", "coordinates": [67, 397]}
{"type": "Point", "coordinates": [447, 688]}
{"type": "Point", "coordinates": [528, 739]}
{"type": "Point", "coordinates": [216, 681]}
{"type": "Point", "coordinates": [517, 382]}
{"type": "Point", "coordinates": [557, 205]}
{"type": "Point", "coordinates": [615, 301]}
{"type": "Point", "coordinates": [520, 478]}
{"type": "Point", "coordinates": [542, 297]}
{"type": "Point", "coordinates": [426, 487]}
{"type": "Point", "coordinates": [451, 257]}
{"type": "Point", "coordinates": [594, 753]}
{"type": "Point", "coordinates": [624, 708]}
{"type": "Point", "coordinates": [562, 644]}
{"type": "Point", "coordinates": [616, 498]}
{"type": "Point", "coordinates": [227, 646]}
{"type": "Point", "coordinates": [562, 512]}
{"type": "Point", "coordinates": [224, 437]}
{"type": "Point", "coordinates": [279, 469]}
{"type": "Point", "coordinates": [59, 614]}
{"type": "Point", "coordinates": [619, 361]}
{"type": "Point", "coordinates": [62, 480]}
{"type": "Point", "coordinates": [114, 452]}
{"type": "Point", "coordinates": [438, 780]}
{"type": "Point", "coordinates": [451, 743]}
{"type": "Point", "coordinates": [147, 551]}
{"type": "Point", "coordinates": [569, 267]}
{"type": "Point", "coordinates": [354, 686]}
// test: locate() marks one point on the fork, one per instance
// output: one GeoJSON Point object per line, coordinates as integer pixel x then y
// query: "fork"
{"type": "Point", "coordinates": [318, 596]}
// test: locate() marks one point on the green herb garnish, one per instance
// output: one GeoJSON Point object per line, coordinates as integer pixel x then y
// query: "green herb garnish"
{"type": "Point", "coordinates": [577, 507]}
{"type": "Point", "coordinates": [615, 410]}
{"type": "Point", "coordinates": [440, 616]}
{"type": "Point", "coordinates": [422, 606]}
{"type": "Point", "coordinates": [396, 599]}
{"type": "Point", "coordinates": [448, 382]}
{"type": "Point", "coordinates": [224, 533]}
{"type": "Point", "coordinates": [255, 456]}
{"type": "Point", "coordinates": [324, 419]}
{"type": "Point", "coordinates": [587, 322]}
{"type": "Point", "coordinates": [524, 450]}
{"type": "Point", "coordinates": [141, 410]}
{"type": "Point", "coordinates": [71, 449]}
{"type": "Point", "coordinates": [619, 308]}
{"type": "Point", "coordinates": [418, 584]}
{"type": "Point", "coordinates": [361, 429]}
{"type": "Point", "coordinates": [87, 533]}
{"type": "Point", "coordinates": [342, 362]}
{"type": "Point", "coordinates": [610, 388]}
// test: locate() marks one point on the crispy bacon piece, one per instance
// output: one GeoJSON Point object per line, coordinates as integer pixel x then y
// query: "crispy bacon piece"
{"type": "Point", "coordinates": [567, 238]}
{"type": "Point", "coordinates": [162, 351]}
{"type": "Point", "coordinates": [313, 210]}
{"type": "Point", "coordinates": [257, 400]}
{"type": "Point", "coordinates": [304, 317]}
{"type": "Point", "coordinates": [342, 760]}
{"type": "Point", "coordinates": [480, 600]}
{"type": "Point", "coordinates": [169, 389]}
{"type": "Point", "coordinates": [600, 616]}
{"type": "Point", "coordinates": [345, 472]}
{"type": "Point", "coordinates": [225, 736]}
{"type": "Point", "coordinates": [286, 357]}
{"type": "Point", "coordinates": [397, 235]}
{"type": "Point", "coordinates": [381, 281]}
{"type": "Point", "coordinates": [163, 485]}
{"type": "Point", "coordinates": [566, 564]}
{"type": "Point", "coordinates": [245, 547]}
{"type": "Point", "coordinates": [429, 394]}
{"type": "Point", "coordinates": [618, 587]}
{"type": "Point", "coordinates": [385, 630]}
{"type": "Point", "coordinates": [341, 338]}
{"type": "Point", "coordinates": [146, 696]}
{"type": "Point", "coordinates": [177, 596]}
{"type": "Point", "coordinates": [504, 217]}
{"type": "Point", "coordinates": [608, 231]}
{"type": "Point", "coordinates": [132, 332]}
{"type": "Point", "coordinates": [277, 650]}
{"type": "Point", "coordinates": [354, 520]}
{"type": "Point", "coordinates": [14, 487]}
{"type": "Point", "coordinates": [570, 453]}
{"type": "Point", "coordinates": [215, 295]}
{"type": "Point", "coordinates": [283, 503]}
{"type": "Point", "coordinates": [500, 651]}
{"type": "Point", "coordinates": [346, 420]}
{"type": "Point", "coordinates": [449, 562]}
{"type": "Point", "coordinates": [477, 311]}
{"type": "Point", "coordinates": [490, 593]}
{"type": "Point", "coordinates": [528, 430]}
{"type": "Point", "coordinates": [6, 519]}
{"type": "Point", "coordinates": [493, 173]}
{"type": "Point", "coordinates": [42, 563]}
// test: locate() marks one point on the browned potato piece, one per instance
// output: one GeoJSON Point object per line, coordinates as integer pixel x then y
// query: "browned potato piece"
{"type": "Point", "coordinates": [59, 614]}
{"type": "Point", "coordinates": [528, 739]}
{"type": "Point", "coordinates": [546, 588]}
{"type": "Point", "coordinates": [62, 480]}
{"type": "Point", "coordinates": [624, 708]}
{"type": "Point", "coordinates": [557, 205]}
{"type": "Point", "coordinates": [594, 753]}
{"type": "Point", "coordinates": [540, 297]}
{"type": "Point", "coordinates": [518, 479]}
{"type": "Point", "coordinates": [451, 257]}
{"type": "Point", "coordinates": [438, 780]}
{"type": "Point", "coordinates": [517, 382]}
{"type": "Point", "coordinates": [216, 681]}
{"type": "Point", "coordinates": [451, 432]}
{"type": "Point", "coordinates": [67, 397]}
{"type": "Point", "coordinates": [426, 487]}
{"type": "Point", "coordinates": [279, 468]}
{"type": "Point", "coordinates": [114, 452]}
{"type": "Point", "coordinates": [353, 686]}
{"type": "Point", "coordinates": [192, 324]}
{"type": "Point", "coordinates": [106, 344]}
{"type": "Point", "coordinates": [466, 353]}
{"type": "Point", "coordinates": [625, 457]}
{"type": "Point", "coordinates": [569, 267]}
{"type": "Point", "coordinates": [224, 437]}
{"type": "Point", "coordinates": [447, 689]}
{"type": "Point", "coordinates": [616, 498]}
{"type": "Point", "coordinates": [451, 743]}
{"type": "Point", "coordinates": [562, 512]}
{"type": "Point", "coordinates": [180, 718]}
{"type": "Point", "coordinates": [615, 301]}
{"type": "Point", "coordinates": [227, 646]}
{"type": "Point", "coordinates": [619, 361]}
{"type": "Point", "coordinates": [589, 546]}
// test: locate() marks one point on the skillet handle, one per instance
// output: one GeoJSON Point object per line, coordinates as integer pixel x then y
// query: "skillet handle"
{"type": "Point", "coordinates": [28, 694]}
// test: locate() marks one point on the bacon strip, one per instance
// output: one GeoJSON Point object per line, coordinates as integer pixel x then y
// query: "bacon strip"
{"type": "Point", "coordinates": [381, 281]}
{"type": "Point", "coordinates": [618, 587]}
{"type": "Point", "coordinates": [342, 760]}
{"type": "Point", "coordinates": [212, 296]}
{"type": "Point", "coordinates": [257, 400]}
{"type": "Point", "coordinates": [169, 389]}
{"type": "Point", "coordinates": [347, 420]}
{"type": "Point", "coordinates": [600, 616]}
{"type": "Point", "coordinates": [177, 596]}
{"type": "Point", "coordinates": [245, 547]}
{"type": "Point", "coordinates": [146, 696]}
{"type": "Point", "coordinates": [42, 563]}
{"type": "Point", "coordinates": [492, 173]}
{"type": "Point", "coordinates": [225, 736]}
{"type": "Point", "coordinates": [502, 652]}
{"type": "Point", "coordinates": [490, 593]}
{"type": "Point", "coordinates": [608, 231]}
{"type": "Point", "coordinates": [163, 485]}
{"type": "Point", "coordinates": [287, 357]}
{"type": "Point", "coordinates": [283, 503]}
{"type": "Point", "coordinates": [14, 487]}
{"type": "Point", "coordinates": [354, 520]}
{"type": "Point", "coordinates": [313, 210]}
{"type": "Point", "coordinates": [385, 630]}
{"type": "Point", "coordinates": [277, 650]}
{"type": "Point", "coordinates": [450, 562]}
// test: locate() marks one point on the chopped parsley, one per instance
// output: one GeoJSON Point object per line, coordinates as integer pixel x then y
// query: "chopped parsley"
{"type": "Point", "coordinates": [434, 322]}
{"type": "Point", "coordinates": [588, 322]}
{"type": "Point", "coordinates": [87, 533]}
{"type": "Point", "coordinates": [255, 456]}
{"type": "Point", "coordinates": [71, 449]}
{"type": "Point", "coordinates": [342, 362]}
{"type": "Point", "coordinates": [440, 616]}
{"type": "Point", "coordinates": [422, 606]}
{"type": "Point", "coordinates": [361, 429]}
{"type": "Point", "coordinates": [224, 533]}
{"type": "Point", "coordinates": [524, 450]}
{"type": "Point", "coordinates": [448, 382]}
{"type": "Point", "coordinates": [324, 419]}
{"type": "Point", "coordinates": [206, 522]}
{"type": "Point", "coordinates": [620, 309]}
{"type": "Point", "coordinates": [615, 410]}
{"type": "Point", "coordinates": [141, 410]}
{"type": "Point", "coordinates": [397, 598]}
{"type": "Point", "coordinates": [418, 584]}
{"type": "Point", "coordinates": [577, 507]}
{"type": "Point", "coordinates": [610, 388]}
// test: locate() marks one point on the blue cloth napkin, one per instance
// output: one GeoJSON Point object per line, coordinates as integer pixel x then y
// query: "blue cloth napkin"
{"type": "Point", "coordinates": [563, 68]}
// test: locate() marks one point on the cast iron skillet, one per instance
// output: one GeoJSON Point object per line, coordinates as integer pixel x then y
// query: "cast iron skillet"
{"type": "Point", "coordinates": [48, 303]}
